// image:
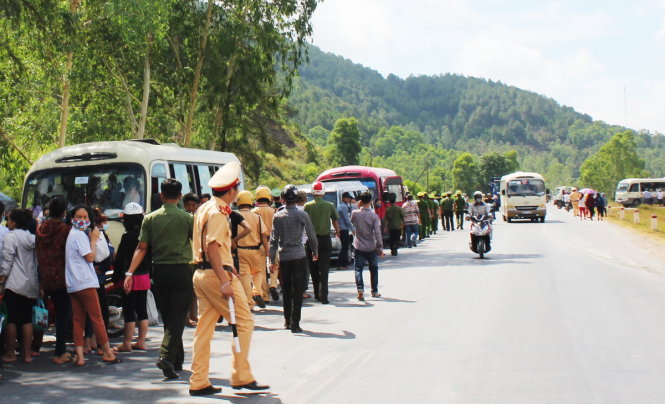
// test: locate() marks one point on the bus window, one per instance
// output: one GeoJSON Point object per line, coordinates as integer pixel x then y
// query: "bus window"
{"type": "Point", "coordinates": [183, 173]}
{"type": "Point", "coordinates": [158, 174]}
{"type": "Point", "coordinates": [394, 186]}
{"type": "Point", "coordinates": [204, 173]}
{"type": "Point", "coordinates": [635, 188]}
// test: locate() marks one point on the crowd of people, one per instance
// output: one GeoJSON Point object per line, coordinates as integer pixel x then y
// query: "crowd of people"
{"type": "Point", "coordinates": [206, 258]}
{"type": "Point", "coordinates": [587, 205]}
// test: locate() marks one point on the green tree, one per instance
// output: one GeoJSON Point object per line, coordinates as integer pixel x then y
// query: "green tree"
{"type": "Point", "coordinates": [466, 173]}
{"type": "Point", "coordinates": [345, 142]}
{"type": "Point", "coordinates": [616, 160]}
{"type": "Point", "coordinates": [495, 164]}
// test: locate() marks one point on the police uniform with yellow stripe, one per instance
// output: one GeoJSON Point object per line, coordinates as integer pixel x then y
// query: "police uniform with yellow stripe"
{"type": "Point", "coordinates": [252, 252]}
{"type": "Point", "coordinates": [212, 225]}
{"type": "Point", "coordinates": [267, 214]}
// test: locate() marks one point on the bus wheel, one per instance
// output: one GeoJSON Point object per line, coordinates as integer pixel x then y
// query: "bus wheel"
{"type": "Point", "coordinates": [542, 219]}
{"type": "Point", "coordinates": [509, 220]}
{"type": "Point", "coordinates": [636, 203]}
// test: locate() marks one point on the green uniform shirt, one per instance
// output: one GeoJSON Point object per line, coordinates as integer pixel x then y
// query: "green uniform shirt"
{"type": "Point", "coordinates": [168, 232]}
{"type": "Point", "coordinates": [395, 217]}
{"type": "Point", "coordinates": [321, 213]}
{"type": "Point", "coordinates": [460, 204]}
{"type": "Point", "coordinates": [424, 211]}
{"type": "Point", "coordinates": [448, 205]}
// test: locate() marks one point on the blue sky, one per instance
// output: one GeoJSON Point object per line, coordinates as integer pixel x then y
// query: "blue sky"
{"type": "Point", "coordinates": [580, 53]}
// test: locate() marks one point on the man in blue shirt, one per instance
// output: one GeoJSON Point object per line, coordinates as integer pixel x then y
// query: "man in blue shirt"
{"type": "Point", "coordinates": [345, 229]}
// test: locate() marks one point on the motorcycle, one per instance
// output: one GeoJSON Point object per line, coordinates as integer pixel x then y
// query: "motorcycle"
{"type": "Point", "coordinates": [481, 234]}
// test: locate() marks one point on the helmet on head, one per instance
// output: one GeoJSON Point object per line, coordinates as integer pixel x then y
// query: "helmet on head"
{"type": "Point", "coordinates": [245, 198]}
{"type": "Point", "coordinates": [318, 189]}
{"type": "Point", "coordinates": [262, 192]}
{"type": "Point", "coordinates": [477, 195]}
{"type": "Point", "coordinates": [290, 194]}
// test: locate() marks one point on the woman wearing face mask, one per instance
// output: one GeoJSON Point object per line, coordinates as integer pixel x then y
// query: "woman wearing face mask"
{"type": "Point", "coordinates": [82, 283]}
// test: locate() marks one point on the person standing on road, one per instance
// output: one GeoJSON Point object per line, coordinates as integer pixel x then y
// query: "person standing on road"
{"type": "Point", "coordinates": [424, 209]}
{"type": "Point", "coordinates": [167, 232]}
{"type": "Point", "coordinates": [50, 248]}
{"type": "Point", "coordinates": [322, 213]}
{"type": "Point", "coordinates": [448, 212]}
{"type": "Point", "coordinates": [368, 243]}
{"type": "Point", "coordinates": [575, 197]}
{"type": "Point", "coordinates": [411, 221]}
{"type": "Point", "coordinates": [659, 197]}
{"type": "Point", "coordinates": [215, 282]}
{"type": "Point", "coordinates": [18, 275]}
{"type": "Point", "coordinates": [251, 257]}
{"type": "Point", "coordinates": [287, 239]}
{"type": "Point", "coordinates": [345, 229]}
{"type": "Point", "coordinates": [394, 224]}
{"type": "Point", "coordinates": [600, 206]}
{"type": "Point", "coordinates": [134, 300]}
{"type": "Point", "coordinates": [82, 283]}
{"type": "Point", "coordinates": [262, 197]}
{"type": "Point", "coordinates": [590, 203]}
{"type": "Point", "coordinates": [434, 206]}
{"type": "Point", "coordinates": [460, 207]}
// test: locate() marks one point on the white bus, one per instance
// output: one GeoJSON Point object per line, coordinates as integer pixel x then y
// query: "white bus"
{"type": "Point", "coordinates": [523, 196]}
{"type": "Point", "coordinates": [630, 191]}
{"type": "Point", "coordinates": [108, 175]}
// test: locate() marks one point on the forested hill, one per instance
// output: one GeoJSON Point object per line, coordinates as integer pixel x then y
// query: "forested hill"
{"type": "Point", "coordinates": [454, 112]}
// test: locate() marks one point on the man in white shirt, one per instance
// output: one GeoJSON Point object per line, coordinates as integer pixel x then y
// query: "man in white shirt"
{"type": "Point", "coordinates": [659, 197]}
{"type": "Point", "coordinates": [646, 195]}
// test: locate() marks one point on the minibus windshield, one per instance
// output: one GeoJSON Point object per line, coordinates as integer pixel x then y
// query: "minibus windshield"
{"type": "Point", "coordinates": [526, 186]}
{"type": "Point", "coordinates": [108, 187]}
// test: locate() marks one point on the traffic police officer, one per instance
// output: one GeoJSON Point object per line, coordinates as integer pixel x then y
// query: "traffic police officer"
{"type": "Point", "coordinates": [262, 198]}
{"type": "Point", "coordinates": [460, 207]}
{"type": "Point", "coordinates": [251, 257]}
{"type": "Point", "coordinates": [215, 281]}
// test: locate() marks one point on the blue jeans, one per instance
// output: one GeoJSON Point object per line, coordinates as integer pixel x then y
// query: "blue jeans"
{"type": "Point", "coordinates": [411, 234]}
{"type": "Point", "coordinates": [369, 258]}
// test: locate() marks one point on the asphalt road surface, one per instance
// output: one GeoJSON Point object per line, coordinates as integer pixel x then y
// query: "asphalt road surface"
{"type": "Point", "coordinates": [560, 312]}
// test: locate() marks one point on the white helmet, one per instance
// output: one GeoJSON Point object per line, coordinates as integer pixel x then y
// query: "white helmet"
{"type": "Point", "coordinates": [477, 195]}
{"type": "Point", "coordinates": [318, 189]}
{"type": "Point", "coordinates": [133, 208]}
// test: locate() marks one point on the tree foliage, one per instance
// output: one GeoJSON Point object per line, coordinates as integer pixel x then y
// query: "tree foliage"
{"type": "Point", "coordinates": [345, 142]}
{"type": "Point", "coordinates": [616, 160]}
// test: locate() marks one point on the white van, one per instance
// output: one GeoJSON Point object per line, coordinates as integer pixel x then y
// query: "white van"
{"type": "Point", "coordinates": [334, 192]}
{"type": "Point", "coordinates": [108, 175]}
{"type": "Point", "coordinates": [630, 191]}
{"type": "Point", "coordinates": [523, 196]}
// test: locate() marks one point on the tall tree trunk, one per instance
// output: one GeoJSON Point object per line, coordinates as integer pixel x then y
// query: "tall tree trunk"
{"type": "Point", "coordinates": [197, 76]}
{"type": "Point", "coordinates": [64, 107]}
{"type": "Point", "coordinates": [140, 133]}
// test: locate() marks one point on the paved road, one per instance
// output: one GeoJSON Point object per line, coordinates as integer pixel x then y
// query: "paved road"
{"type": "Point", "coordinates": [560, 312]}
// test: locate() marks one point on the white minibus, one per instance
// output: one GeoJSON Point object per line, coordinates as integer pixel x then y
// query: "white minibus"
{"type": "Point", "coordinates": [108, 175]}
{"type": "Point", "coordinates": [523, 196]}
{"type": "Point", "coordinates": [630, 192]}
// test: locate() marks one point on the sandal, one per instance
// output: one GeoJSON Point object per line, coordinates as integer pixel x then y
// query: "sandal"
{"type": "Point", "coordinates": [114, 361]}
{"type": "Point", "coordinates": [118, 349]}
{"type": "Point", "coordinates": [64, 358]}
{"type": "Point", "coordinates": [138, 348]}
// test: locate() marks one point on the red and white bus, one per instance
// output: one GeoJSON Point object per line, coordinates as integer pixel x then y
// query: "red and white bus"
{"type": "Point", "coordinates": [380, 182]}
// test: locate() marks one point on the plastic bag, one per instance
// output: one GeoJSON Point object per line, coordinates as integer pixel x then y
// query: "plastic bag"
{"type": "Point", "coordinates": [39, 316]}
{"type": "Point", "coordinates": [153, 314]}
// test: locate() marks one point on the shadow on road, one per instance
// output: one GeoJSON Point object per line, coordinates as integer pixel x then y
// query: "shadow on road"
{"type": "Point", "coordinates": [344, 335]}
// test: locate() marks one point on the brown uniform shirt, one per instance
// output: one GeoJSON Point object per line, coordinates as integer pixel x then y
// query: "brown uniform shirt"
{"type": "Point", "coordinates": [257, 227]}
{"type": "Point", "coordinates": [212, 222]}
{"type": "Point", "coordinates": [267, 213]}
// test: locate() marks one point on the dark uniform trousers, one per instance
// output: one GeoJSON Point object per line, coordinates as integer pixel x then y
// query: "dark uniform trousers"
{"type": "Point", "coordinates": [448, 220]}
{"type": "Point", "coordinates": [319, 269]}
{"type": "Point", "coordinates": [173, 294]}
{"type": "Point", "coordinates": [294, 280]}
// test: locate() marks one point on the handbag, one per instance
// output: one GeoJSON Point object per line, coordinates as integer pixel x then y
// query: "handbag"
{"type": "Point", "coordinates": [39, 316]}
{"type": "Point", "coordinates": [103, 251]}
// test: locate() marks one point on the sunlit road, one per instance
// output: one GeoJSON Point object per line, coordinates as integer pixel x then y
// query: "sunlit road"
{"type": "Point", "coordinates": [560, 312]}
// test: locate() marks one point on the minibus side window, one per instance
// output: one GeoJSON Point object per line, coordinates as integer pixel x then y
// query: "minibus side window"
{"type": "Point", "coordinates": [204, 173]}
{"type": "Point", "coordinates": [635, 188]}
{"type": "Point", "coordinates": [183, 173]}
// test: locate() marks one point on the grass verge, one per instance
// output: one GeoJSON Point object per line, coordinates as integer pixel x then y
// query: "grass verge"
{"type": "Point", "coordinates": [644, 226]}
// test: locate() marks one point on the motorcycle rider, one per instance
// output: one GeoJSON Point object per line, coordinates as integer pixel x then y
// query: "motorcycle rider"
{"type": "Point", "coordinates": [480, 208]}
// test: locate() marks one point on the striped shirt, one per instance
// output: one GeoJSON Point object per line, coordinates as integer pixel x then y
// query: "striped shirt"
{"type": "Point", "coordinates": [411, 213]}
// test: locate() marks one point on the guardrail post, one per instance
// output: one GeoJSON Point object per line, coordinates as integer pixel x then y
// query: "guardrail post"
{"type": "Point", "coordinates": [654, 222]}
{"type": "Point", "coordinates": [636, 216]}
{"type": "Point", "coordinates": [622, 213]}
